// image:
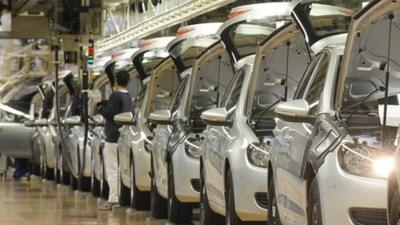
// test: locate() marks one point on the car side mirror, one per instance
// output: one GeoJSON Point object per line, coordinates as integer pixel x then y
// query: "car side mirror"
{"type": "Point", "coordinates": [29, 123]}
{"type": "Point", "coordinates": [161, 117]}
{"type": "Point", "coordinates": [41, 122]}
{"type": "Point", "coordinates": [216, 117]}
{"type": "Point", "coordinates": [53, 122]}
{"type": "Point", "coordinates": [98, 120]}
{"type": "Point", "coordinates": [294, 111]}
{"type": "Point", "coordinates": [125, 118]}
{"type": "Point", "coordinates": [73, 120]}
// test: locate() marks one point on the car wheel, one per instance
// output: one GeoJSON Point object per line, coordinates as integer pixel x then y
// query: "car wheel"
{"type": "Point", "coordinates": [57, 175]}
{"type": "Point", "coordinates": [65, 177]}
{"type": "Point", "coordinates": [84, 184]}
{"type": "Point", "coordinates": [394, 211]}
{"type": "Point", "coordinates": [35, 169]}
{"type": "Point", "coordinates": [273, 213]}
{"type": "Point", "coordinates": [104, 188]}
{"type": "Point", "coordinates": [314, 204]}
{"type": "Point", "coordinates": [207, 216]}
{"type": "Point", "coordinates": [178, 212]}
{"type": "Point", "coordinates": [94, 183]}
{"type": "Point", "coordinates": [95, 187]}
{"type": "Point", "coordinates": [124, 193]}
{"type": "Point", "coordinates": [48, 173]}
{"type": "Point", "coordinates": [140, 200]}
{"type": "Point", "coordinates": [73, 182]}
{"type": "Point", "coordinates": [158, 205]}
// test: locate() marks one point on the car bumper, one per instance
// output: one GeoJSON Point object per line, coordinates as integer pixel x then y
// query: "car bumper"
{"type": "Point", "coordinates": [249, 182]}
{"type": "Point", "coordinates": [186, 175]}
{"type": "Point", "coordinates": [346, 199]}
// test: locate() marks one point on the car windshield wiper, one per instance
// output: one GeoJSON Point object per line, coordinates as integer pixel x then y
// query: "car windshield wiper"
{"type": "Point", "coordinates": [361, 102]}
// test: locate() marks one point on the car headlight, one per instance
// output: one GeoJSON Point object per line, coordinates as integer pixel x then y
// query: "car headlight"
{"type": "Point", "coordinates": [192, 147]}
{"type": "Point", "coordinates": [257, 154]}
{"type": "Point", "coordinates": [365, 161]}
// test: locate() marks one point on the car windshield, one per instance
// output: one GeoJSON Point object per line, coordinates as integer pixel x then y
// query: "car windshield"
{"type": "Point", "coordinates": [149, 60]}
{"type": "Point", "coordinates": [372, 80]}
{"type": "Point", "coordinates": [187, 51]}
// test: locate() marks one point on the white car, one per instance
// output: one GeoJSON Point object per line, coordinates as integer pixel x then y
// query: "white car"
{"type": "Point", "coordinates": [327, 164]}
{"type": "Point", "coordinates": [231, 187]}
{"type": "Point", "coordinates": [176, 173]}
{"type": "Point", "coordinates": [135, 181]}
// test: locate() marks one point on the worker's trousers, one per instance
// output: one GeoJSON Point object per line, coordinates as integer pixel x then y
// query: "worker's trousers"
{"type": "Point", "coordinates": [110, 154]}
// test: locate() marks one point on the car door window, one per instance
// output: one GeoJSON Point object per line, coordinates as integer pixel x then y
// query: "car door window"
{"type": "Point", "coordinates": [234, 94]}
{"type": "Point", "coordinates": [314, 91]}
{"type": "Point", "coordinates": [178, 96]}
{"type": "Point", "coordinates": [302, 88]}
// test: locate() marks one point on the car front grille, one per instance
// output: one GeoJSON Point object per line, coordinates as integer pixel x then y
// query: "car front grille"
{"type": "Point", "coordinates": [262, 199]}
{"type": "Point", "coordinates": [364, 216]}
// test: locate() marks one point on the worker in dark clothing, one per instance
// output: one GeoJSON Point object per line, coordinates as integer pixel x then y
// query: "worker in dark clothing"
{"type": "Point", "coordinates": [120, 101]}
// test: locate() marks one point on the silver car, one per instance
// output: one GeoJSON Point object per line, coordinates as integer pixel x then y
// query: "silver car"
{"type": "Point", "coordinates": [327, 155]}
{"type": "Point", "coordinates": [175, 171]}
{"type": "Point", "coordinates": [136, 133]}
{"type": "Point", "coordinates": [60, 133]}
{"type": "Point", "coordinates": [231, 186]}
{"type": "Point", "coordinates": [105, 68]}
{"type": "Point", "coordinates": [76, 150]}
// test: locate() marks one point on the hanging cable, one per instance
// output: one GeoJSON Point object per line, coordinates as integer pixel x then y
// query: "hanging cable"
{"type": "Point", "coordinates": [287, 71]}
{"type": "Point", "coordinates": [387, 78]}
{"type": "Point", "coordinates": [219, 79]}
{"type": "Point", "coordinates": [85, 110]}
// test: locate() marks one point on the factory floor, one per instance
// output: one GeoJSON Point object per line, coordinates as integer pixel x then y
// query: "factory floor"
{"type": "Point", "coordinates": [37, 202]}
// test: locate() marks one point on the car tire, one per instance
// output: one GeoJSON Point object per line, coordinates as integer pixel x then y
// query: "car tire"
{"type": "Point", "coordinates": [394, 211]}
{"type": "Point", "coordinates": [73, 182]}
{"type": "Point", "coordinates": [124, 193]}
{"type": "Point", "coordinates": [314, 215]}
{"type": "Point", "coordinates": [57, 176]}
{"type": "Point", "coordinates": [273, 212]}
{"type": "Point", "coordinates": [35, 169]}
{"type": "Point", "coordinates": [95, 186]}
{"type": "Point", "coordinates": [178, 212]}
{"type": "Point", "coordinates": [207, 216]}
{"type": "Point", "coordinates": [158, 205]}
{"type": "Point", "coordinates": [84, 184]}
{"type": "Point", "coordinates": [48, 173]}
{"type": "Point", "coordinates": [65, 177]}
{"type": "Point", "coordinates": [140, 200]}
{"type": "Point", "coordinates": [104, 188]}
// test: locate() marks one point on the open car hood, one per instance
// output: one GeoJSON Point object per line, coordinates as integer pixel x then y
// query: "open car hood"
{"type": "Point", "coordinates": [273, 13]}
{"type": "Point", "coordinates": [318, 21]}
{"type": "Point", "coordinates": [366, 54]}
{"type": "Point", "coordinates": [156, 47]}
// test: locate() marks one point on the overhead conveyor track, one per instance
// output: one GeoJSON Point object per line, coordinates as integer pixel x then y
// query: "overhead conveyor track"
{"type": "Point", "coordinates": [183, 12]}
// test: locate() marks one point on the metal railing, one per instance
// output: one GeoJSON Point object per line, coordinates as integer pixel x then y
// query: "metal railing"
{"type": "Point", "coordinates": [183, 11]}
